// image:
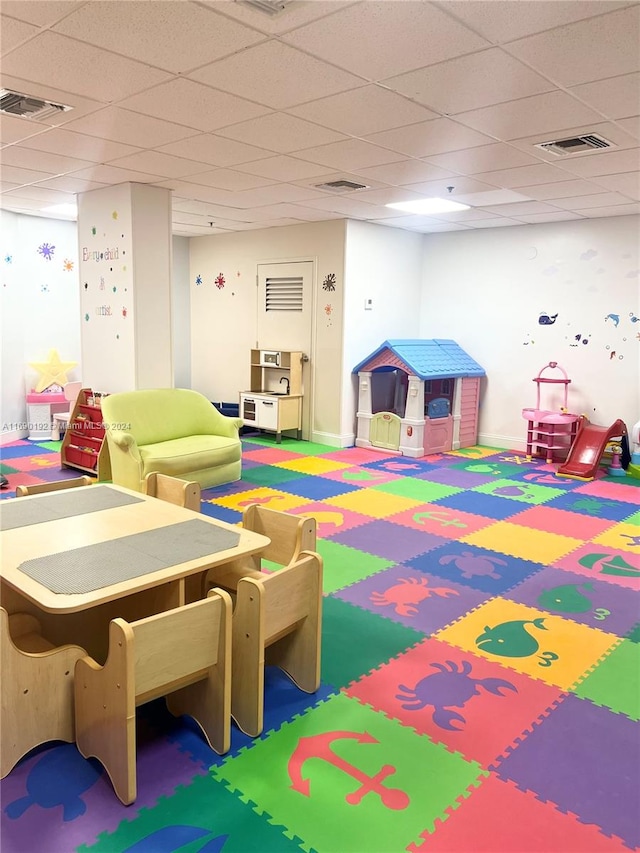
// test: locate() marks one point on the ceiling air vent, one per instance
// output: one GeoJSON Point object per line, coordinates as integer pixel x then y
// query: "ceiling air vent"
{"type": "Point", "coordinates": [342, 186]}
{"type": "Point", "coordinates": [25, 106]}
{"type": "Point", "coordinates": [576, 144]}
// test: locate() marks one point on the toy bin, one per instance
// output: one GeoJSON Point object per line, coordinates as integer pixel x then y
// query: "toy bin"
{"type": "Point", "coordinates": [84, 451]}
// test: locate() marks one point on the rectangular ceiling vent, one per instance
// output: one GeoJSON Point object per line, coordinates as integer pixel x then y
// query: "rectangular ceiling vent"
{"type": "Point", "coordinates": [26, 106]}
{"type": "Point", "coordinates": [576, 144]}
{"type": "Point", "coordinates": [342, 186]}
{"type": "Point", "coordinates": [267, 7]}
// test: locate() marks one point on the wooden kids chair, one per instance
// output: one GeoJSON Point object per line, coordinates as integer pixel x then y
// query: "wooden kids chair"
{"type": "Point", "coordinates": [289, 535]}
{"type": "Point", "coordinates": [185, 653]}
{"type": "Point", "coordinates": [22, 491]}
{"type": "Point", "coordinates": [179, 492]}
{"type": "Point", "coordinates": [36, 688]}
{"type": "Point", "coordinates": [277, 620]}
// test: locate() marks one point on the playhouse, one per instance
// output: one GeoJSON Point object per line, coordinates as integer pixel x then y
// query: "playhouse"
{"type": "Point", "coordinates": [417, 397]}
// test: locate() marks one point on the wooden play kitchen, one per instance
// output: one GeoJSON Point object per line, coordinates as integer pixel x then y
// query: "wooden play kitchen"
{"type": "Point", "coordinates": [274, 400]}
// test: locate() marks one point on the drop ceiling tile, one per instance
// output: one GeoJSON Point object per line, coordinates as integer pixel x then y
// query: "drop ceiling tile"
{"type": "Point", "coordinates": [306, 214]}
{"type": "Point", "coordinates": [281, 133]}
{"type": "Point", "coordinates": [214, 150]}
{"type": "Point", "coordinates": [483, 199]}
{"type": "Point", "coordinates": [405, 172]}
{"type": "Point", "coordinates": [557, 216]}
{"type": "Point", "coordinates": [79, 106]}
{"type": "Point", "coordinates": [5, 186]}
{"type": "Point", "coordinates": [63, 141]}
{"type": "Point", "coordinates": [129, 128]}
{"type": "Point", "coordinates": [603, 163]}
{"type": "Point", "coordinates": [44, 195]}
{"type": "Point", "coordinates": [573, 54]}
{"type": "Point", "coordinates": [209, 197]}
{"type": "Point", "coordinates": [283, 168]}
{"type": "Point", "coordinates": [228, 179]}
{"type": "Point", "coordinates": [398, 37]}
{"type": "Point", "coordinates": [625, 183]}
{"type": "Point", "coordinates": [112, 175]}
{"type": "Point", "coordinates": [441, 228]}
{"type": "Point", "coordinates": [461, 187]}
{"type": "Point", "coordinates": [559, 189]}
{"type": "Point", "coordinates": [469, 82]}
{"type": "Point", "coordinates": [520, 208]}
{"type": "Point", "coordinates": [272, 195]}
{"type": "Point", "coordinates": [430, 137]}
{"type": "Point", "coordinates": [15, 129]}
{"type": "Point", "coordinates": [616, 97]}
{"type": "Point", "coordinates": [362, 111]}
{"type": "Point", "coordinates": [630, 125]}
{"type": "Point", "coordinates": [14, 33]}
{"type": "Point", "coordinates": [485, 158]}
{"type": "Point", "coordinates": [389, 195]}
{"type": "Point", "coordinates": [547, 114]}
{"type": "Point", "coordinates": [502, 222]}
{"type": "Point", "coordinates": [168, 38]}
{"type": "Point", "coordinates": [467, 215]}
{"type": "Point", "coordinates": [583, 202]}
{"type": "Point", "coordinates": [67, 184]}
{"type": "Point", "coordinates": [276, 75]}
{"type": "Point", "coordinates": [208, 209]}
{"type": "Point", "coordinates": [496, 21]}
{"type": "Point", "coordinates": [20, 176]}
{"type": "Point", "coordinates": [111, 77]}
{"type": "Point", "coordinates": [193, 104]}
{"type": "Point", "coordinates": [291, 17]}
{"type": "Point", "coordinates": [420, 222]}
{"type": "Point", "coordinates": [40, 160]}
{"type": "Point", "coordinates": [351, 154]}
{"type": "Point", "coordinates": [617, 210]}
{"type": "Point", "coordinates": [42, 13]}
{"type": "Point", "coordinates": [14, 202]}
{"type": "Point", "coordinates": [523, 176]}
{"type": "Point", "coordinates": [347, 206]}
{"type": "Point", "coordinates": [157, 163]}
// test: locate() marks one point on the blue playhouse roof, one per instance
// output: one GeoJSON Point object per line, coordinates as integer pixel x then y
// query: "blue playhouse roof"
{"type": "Point", "coordinates": [428, 359]}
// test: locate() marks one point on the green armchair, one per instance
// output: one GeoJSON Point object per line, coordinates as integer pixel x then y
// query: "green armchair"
{"type": "Point", "coordinates": [171, 431]}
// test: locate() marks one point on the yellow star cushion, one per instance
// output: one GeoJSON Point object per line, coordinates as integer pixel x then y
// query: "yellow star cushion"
{"type": "Point", "coordinates": [52, 372]}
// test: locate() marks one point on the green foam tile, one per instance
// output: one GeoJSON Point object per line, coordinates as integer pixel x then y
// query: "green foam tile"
{"type": "Point", "coordinates": [419, 490]}
{"type": "Point", "coordinates": [615, 681]}
{"type": "Point", "coordinates": [268, 475]}
{"type": "Point", "coordinates": [344, 566]}
{"type": "Point", "coordinates": [515, 490]}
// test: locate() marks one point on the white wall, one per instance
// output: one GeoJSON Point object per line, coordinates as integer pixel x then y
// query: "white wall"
{"type": "Point", "coordinates": [180, 313]}
{"type": "Point", "coordinates": [487, 290]}
{"type": "Point", "coordinates": [224, 319]}
{"type": "Point", "coordinates": [40, 307]}
{"type": "Point", "coordinates": [384, 265]}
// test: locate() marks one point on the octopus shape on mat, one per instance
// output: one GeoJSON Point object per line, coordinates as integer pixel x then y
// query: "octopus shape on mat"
{"type": "Point", "coordinates": [451, 687]}
{"type": "Point", "coordinates": [407, 593]}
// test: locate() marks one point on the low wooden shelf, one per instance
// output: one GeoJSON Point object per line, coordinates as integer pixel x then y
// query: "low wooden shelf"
{"type": "Point", "coordinates": [84, 445]}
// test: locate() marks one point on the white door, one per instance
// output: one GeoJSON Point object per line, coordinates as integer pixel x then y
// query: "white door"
{"type": "Point", "coordinates": [285, 319]}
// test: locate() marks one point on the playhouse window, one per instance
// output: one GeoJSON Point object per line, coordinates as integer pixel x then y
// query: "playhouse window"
{"type": "Point", "coordinates": [445, 387]}
{"type": "Point", "coordinates": [389, 391]}
{"type": "Point", "coordinates": [427, 386]}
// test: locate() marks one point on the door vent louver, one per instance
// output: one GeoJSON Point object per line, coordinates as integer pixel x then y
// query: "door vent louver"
{"type": "Point", "coordinates": [342, 186]}
{"type": "Point", "coordinates": [26, 106]}
{"type": "Point", "coordinates": [576, 144]}
{"type": "Point", "coordinates": [283, 294]}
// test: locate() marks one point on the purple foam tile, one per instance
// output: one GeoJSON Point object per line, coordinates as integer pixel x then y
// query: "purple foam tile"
{"type": "Point", "coordinates": [586, 760]}
{"type": "Point", "coordinates": [455, 477]}
{"type": "Point", "coordinates": [391, 541]}
{"type": "Point", "coordinates": [54, 475]}
{"type": "Point", "coordinates": [600, 605]}
{"type": "Point", "coordinates": [58, 782]}
{"type": "Point", "coordinates": [415, 599]}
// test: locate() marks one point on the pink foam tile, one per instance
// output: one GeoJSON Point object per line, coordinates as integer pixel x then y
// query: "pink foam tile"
{"type": "Point", "coordinates": [330, 519]}
{"type": "Point", "coordinates": [596, 561]}
{"type": "Point", "coordinates": [561, 521]}
{"type": "Point", "coordinates": [428, 685]}
{"type": "Point", "coordinates": [617, 491]}
{"type": "Point", "coordinates": [269, 455]}
{"type": "Point", "coordinates": [442, 520]}
{"type": "Point", "coordinates": [357, 476]}
{"type": "Point", "coordinates": [499, 816]}
{"type": "Point", "coordinates": [35, 462]}
{"type": "Point", "coordinates": [355, 455]}
{"type": "Point", "coordinates": [22, 479]}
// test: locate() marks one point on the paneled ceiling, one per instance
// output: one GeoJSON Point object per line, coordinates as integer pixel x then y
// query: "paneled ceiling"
{"type": "Point", "coordinates": [242, 114]}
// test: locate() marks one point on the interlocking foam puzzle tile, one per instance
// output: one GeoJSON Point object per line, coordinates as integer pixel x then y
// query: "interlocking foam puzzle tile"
{"type": "Point", "coordinates": [478, 451]}
{"type": "Point", "coordinates": [225, 490]}
{"type": "Point", "coordinates": [517, 541]}
{"type": "Point", "coordinates": [416, 489]}
{"type": "Point", "coordinates": [36, 462]}
{"type": "Point", "coordinates": [344, 566]}
{"type": "Point", "coordinates": [441, 521]}
{"type": "Point", "coordinates": [614, 488]}
{"type": "Point", "coordinates": [19, 479]}
{"type": "Point", "coordinates": [210, 508]}
{"type": "Point", "coordinates": [572, 596]}
{"type": "Point", "coordinates": [268, 455]}
{"type": "Point", "coordinates": [264, 496]}
{"type": "Point", "coordinates": [633, 519]}
{"type": "Point", "coordinates": [497, 816]}
{"type": "Point", "coordinates": [475, 567]}
{"type": "Point", "coordinates": [354, 641]}
{"type": "Point", "coordinates": [604, 563]}
{"type": "Point", "coordinates": [360, 476]}
{"type": "Point", "coordinates": [476, 503]}
{"type": "Point", "coordinates": [472, 706]}
{"type": "Point", "coordinates": [312, 465]}
{"type": "Point", "coordinates": [303, 448]}
{"type": "Point", "coordinates": [385, 539]}
{"type": "Point", "coordinates": [495, 469]}
{"type": "Point", "coordinates": [316, 488]}
{"type": "Point", "coordinates": [58, 795]}
{"type": "Point", "coordinates": [330, 519]}
{"type": "Point", "coordinates": [624, 536]}
{"type": "Point", "coordinates": [451, 476]}
{"type": "Point", "coordinates": [268, 475]}
{"type": "Point", "coordinates": [201, 816]}
{"type": "Point", "coordinates": [547, 476]}
{"type": "Point", "coordinates": [418, 600]}
{"type": "Point", "coordinates": [554, 520]}
{"type": "Point", "coordinates": [18, 450]}
{"type": "Point", "coordinates": [381, 784]}
{"type": "Point", "coordinates": [354, 455]}
{"type": "Point", "coordinates": [586, 760]}
{"type": "Point", "coordinates": [615, 682]}
{"type": "Point", "coordinates": [554, 650]}
{"type": "Point", "coordinates": [529, 493]}
{"type": "Point", "coordinates": [634, 633]}
{"type": "Point", "coordinates": [373, 503]}
{"type": "Point", "coordinates": [593, 506]}
{"type": "Point", "coordinates": [405, 466]}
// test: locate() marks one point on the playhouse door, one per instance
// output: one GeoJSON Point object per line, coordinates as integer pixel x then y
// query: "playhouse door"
{"type": "Point", "coordinates": [385, 431]}
{"type": "Point", "coordinates": [438, 435]}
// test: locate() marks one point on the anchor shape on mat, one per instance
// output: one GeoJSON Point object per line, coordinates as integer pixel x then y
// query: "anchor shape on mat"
{"type": "Point", "coordinates": [319, 746]}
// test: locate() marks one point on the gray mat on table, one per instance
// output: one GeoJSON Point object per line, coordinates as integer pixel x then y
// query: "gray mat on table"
{"type": "Point", "coordinates": [95, 566]}
{"type": "Point", "coordinates": [63, 504]}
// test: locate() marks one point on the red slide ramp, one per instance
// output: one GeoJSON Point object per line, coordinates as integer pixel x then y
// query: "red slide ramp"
{"type": "Point", "coordinates": [586, 451]}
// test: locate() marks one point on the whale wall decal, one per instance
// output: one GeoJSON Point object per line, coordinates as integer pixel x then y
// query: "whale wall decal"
{"type": "Point", "coordinates": [546, 320]}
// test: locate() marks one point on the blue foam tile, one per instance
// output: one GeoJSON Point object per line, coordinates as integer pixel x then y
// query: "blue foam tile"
{"type": "Point", "coordinates": [222, 513]}
{"type": "Point", "coordinates": [477, 503]}
{"type": "Point", "coordinates": [316, 488]}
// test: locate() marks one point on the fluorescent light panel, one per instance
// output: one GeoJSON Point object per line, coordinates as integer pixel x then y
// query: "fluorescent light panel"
{"type": "Point", "coordinates": [429, 205]}
{"type": "Point", "coordinates": [64, 209]}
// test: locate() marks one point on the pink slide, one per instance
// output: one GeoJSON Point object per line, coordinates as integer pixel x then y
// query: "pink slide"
{"type": "Point", "coordinates": [586, 451]}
